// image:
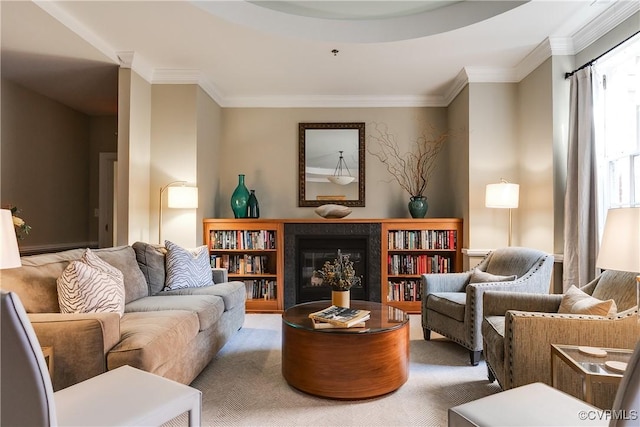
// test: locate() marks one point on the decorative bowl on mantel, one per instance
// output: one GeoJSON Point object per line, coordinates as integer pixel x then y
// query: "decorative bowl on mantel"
{"type": "Point", "coordinates": [332, 211]}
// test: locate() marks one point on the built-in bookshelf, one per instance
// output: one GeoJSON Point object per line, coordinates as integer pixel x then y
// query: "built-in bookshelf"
{"type": "Point", "coordinates": [251, 252]}
{"type": "Point", "coordinates": [415, 247]}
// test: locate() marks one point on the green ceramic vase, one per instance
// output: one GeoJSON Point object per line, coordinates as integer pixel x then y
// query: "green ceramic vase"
{"type": "Point", "coordinates": [418, 206]}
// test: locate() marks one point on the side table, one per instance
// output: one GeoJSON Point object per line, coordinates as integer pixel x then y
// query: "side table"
{"type": "Point", "coordinates": [592, 369]}
{"type": "Point", "coordinates": [48, 357]}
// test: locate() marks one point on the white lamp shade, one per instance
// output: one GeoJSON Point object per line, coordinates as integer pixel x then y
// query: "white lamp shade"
{"type": "Point", "coordinates": [182, 197]}
{"type": "Point", "coordinates": [9, 253]}
{"type": "Point", "coordinates": [502, 195]}
{"type": "Point", "coordinates": [620, 247]}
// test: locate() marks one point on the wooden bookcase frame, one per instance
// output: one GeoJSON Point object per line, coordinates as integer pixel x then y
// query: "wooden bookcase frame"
{"type": "Point", "coordinates": [276, 256]}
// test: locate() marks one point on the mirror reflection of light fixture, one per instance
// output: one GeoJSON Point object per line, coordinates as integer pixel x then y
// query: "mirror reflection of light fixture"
{"type": "Point", "coordinates": [620, 246]}
{"type": "Point", "coordinates": [504, 195]}
{"type": "Point", "coordinates": [9, 253]}
{"type": "Point", "coordinates": [181, 197]}
{"type": "Point", "coordinates": [338, 177]}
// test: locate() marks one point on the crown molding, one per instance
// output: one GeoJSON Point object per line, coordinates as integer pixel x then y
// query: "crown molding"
{"type": "Point", "coordinates": [334, 101]}
{"type": "Point", "coordinates": [603, 23]}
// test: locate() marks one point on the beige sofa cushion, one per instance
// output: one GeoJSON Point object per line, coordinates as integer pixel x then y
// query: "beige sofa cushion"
{"type": "Point", "coordinates": [209, 308]}
{"type": "Point", "coordinates": [150, 259]}
{"type": "Point", "coordinates": [151, 339]}
{"type": "Point", "coordinates": [234, 294]}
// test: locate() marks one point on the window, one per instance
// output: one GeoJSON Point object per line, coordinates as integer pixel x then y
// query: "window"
{"type": "Point", "coordinates": [617, 121]}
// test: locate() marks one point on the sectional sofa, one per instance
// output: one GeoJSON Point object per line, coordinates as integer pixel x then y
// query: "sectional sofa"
{"type": "Point", "coordinates": [174, 333]}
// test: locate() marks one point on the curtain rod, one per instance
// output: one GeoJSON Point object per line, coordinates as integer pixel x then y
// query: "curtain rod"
{"type": "Point", "coordinates": [567, 75]}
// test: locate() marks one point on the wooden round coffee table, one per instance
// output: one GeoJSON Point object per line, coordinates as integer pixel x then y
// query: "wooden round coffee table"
{"type": "Point", "coordinates": [354, 363]}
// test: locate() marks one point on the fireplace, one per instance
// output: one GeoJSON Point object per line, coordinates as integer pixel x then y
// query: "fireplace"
{"type": "Point", "coordinates": [309, 245]}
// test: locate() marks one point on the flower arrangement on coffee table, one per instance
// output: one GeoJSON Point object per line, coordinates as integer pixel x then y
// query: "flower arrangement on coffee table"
{"type": "Point", "coordinates": [339, 274]}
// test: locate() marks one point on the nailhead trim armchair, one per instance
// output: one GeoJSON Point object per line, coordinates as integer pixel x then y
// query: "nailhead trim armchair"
{"type": "Point", "coordinates": [452, 306]}
{"type": "Point", "coordinates": [519, 329]}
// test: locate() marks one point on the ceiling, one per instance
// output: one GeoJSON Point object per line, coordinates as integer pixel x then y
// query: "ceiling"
{"type": "Point", "coordinates": [291, 53]}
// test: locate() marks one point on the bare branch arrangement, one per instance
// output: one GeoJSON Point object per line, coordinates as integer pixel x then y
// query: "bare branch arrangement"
{"type": "Point", "coordinates": [412, 169]}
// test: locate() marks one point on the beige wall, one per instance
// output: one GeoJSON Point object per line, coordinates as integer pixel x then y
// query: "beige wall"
{"type": "Point", "coordinates": [209, 142]}
{"type": "Point", "coordinates": [134, 142]}
{"type": "Point", "coordinates": [534, 220]}
{"type": "Point", "coordinates": [103, 138]}
{"type": "Point", "coordinates": [457, 154]}
{"type": "Point", "coordinates": [493, 154]}
{"type": "Point", "coordinates": [45, 168]}
{"type": "Point", "coordinates": [262, 143]}
{"type": "Point", "coordinates": [174, 157]}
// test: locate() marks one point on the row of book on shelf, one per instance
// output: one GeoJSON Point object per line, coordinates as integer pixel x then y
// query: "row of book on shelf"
{"type": "Point", "coordinates": [241, 264]}
{"type": "Point", "coordinates": [242, 239]}
{"type": "Point", "coordinates": [418, 264]}
{"type": "Point", "coordinates": [404, 290]}
{"type": "Point", "coordinates": [422, 239]}
{"type": "Point", "coordinates": [261, 289]}
{"type": "Point", "coordinates": [339, 317]}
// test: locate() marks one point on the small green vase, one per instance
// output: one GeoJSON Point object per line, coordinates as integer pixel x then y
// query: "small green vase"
{"type": "Point", "coordinates": [418, 206]}
{"type": "Point", "coordinates": [240, 198]}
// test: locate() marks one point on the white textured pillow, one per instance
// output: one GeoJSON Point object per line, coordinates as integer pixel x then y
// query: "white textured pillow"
{"type": "Point", "coordinates": [332, 211]}
{"type": "Point", "coordinates": [186, 268]}
{"type": "Point", "coordinates": [575, 301]}
{"type": "Point", "coordinates": [91, 285]}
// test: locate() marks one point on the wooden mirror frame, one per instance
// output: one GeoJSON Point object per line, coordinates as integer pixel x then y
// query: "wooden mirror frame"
{"type": "Point", "coordinates": [302, 200]}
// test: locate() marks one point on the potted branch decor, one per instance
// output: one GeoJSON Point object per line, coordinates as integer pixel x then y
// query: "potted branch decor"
{"type": "Point", "coordinates": [411, 169]}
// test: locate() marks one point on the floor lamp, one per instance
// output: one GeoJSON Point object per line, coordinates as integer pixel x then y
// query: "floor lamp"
{"type": "Point", "coordinates": [503, 195]}
{"type": "Point", "coordinates": [178, 196]}
{"type": "Point", "coordinates": [620, 246]}
{"type": "Point", "coordinates": [9, 253]}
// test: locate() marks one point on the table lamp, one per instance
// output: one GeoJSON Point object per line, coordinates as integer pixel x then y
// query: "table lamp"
{"type": "Point", "coordinates": [620, 246]}
{"type": "Point", "coordinates": [503, 195]}
{"type": "Point", "coordinates": [9, 253]}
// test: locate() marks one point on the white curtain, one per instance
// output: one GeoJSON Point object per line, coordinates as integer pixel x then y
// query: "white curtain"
{"type": "Point", "coordinates": [580, 203]}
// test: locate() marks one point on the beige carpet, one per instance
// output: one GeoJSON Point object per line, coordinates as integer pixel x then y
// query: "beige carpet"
{"type": "Point", "coordinates": [243, 385]}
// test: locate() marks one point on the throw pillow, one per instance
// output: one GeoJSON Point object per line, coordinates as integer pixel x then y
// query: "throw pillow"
{"type": "Point", "coordinates": [575, 301]}
{"type": "Point", "coordinates": [186, 268]}
{"type": "Point", "coordinates": [91, 285]}
{"type": "Point", "coordinates": [479, 276]}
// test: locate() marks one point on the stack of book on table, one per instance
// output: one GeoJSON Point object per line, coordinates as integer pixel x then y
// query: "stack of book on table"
{"type": "Point", "coordinates": [339, 317]}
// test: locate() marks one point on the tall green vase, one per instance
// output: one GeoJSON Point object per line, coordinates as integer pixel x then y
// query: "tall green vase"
{"type": "Point", "coordinates": [239, 199]}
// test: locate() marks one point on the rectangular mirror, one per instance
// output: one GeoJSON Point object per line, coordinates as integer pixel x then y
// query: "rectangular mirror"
{"type": "Point", "coordinates": [331, 164]}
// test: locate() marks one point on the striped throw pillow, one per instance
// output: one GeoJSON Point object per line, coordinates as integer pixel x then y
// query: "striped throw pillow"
{"type": "Point", "coordinates": [91, 285]}
{"type": "Point", "coordinates": [186, 268]}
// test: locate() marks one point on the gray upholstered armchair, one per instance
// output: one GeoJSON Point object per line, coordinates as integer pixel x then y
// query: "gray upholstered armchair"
{"type": "Point", "coordinates": [519, 329]}
{"type": "Point", "coordinates": [452, 302]}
